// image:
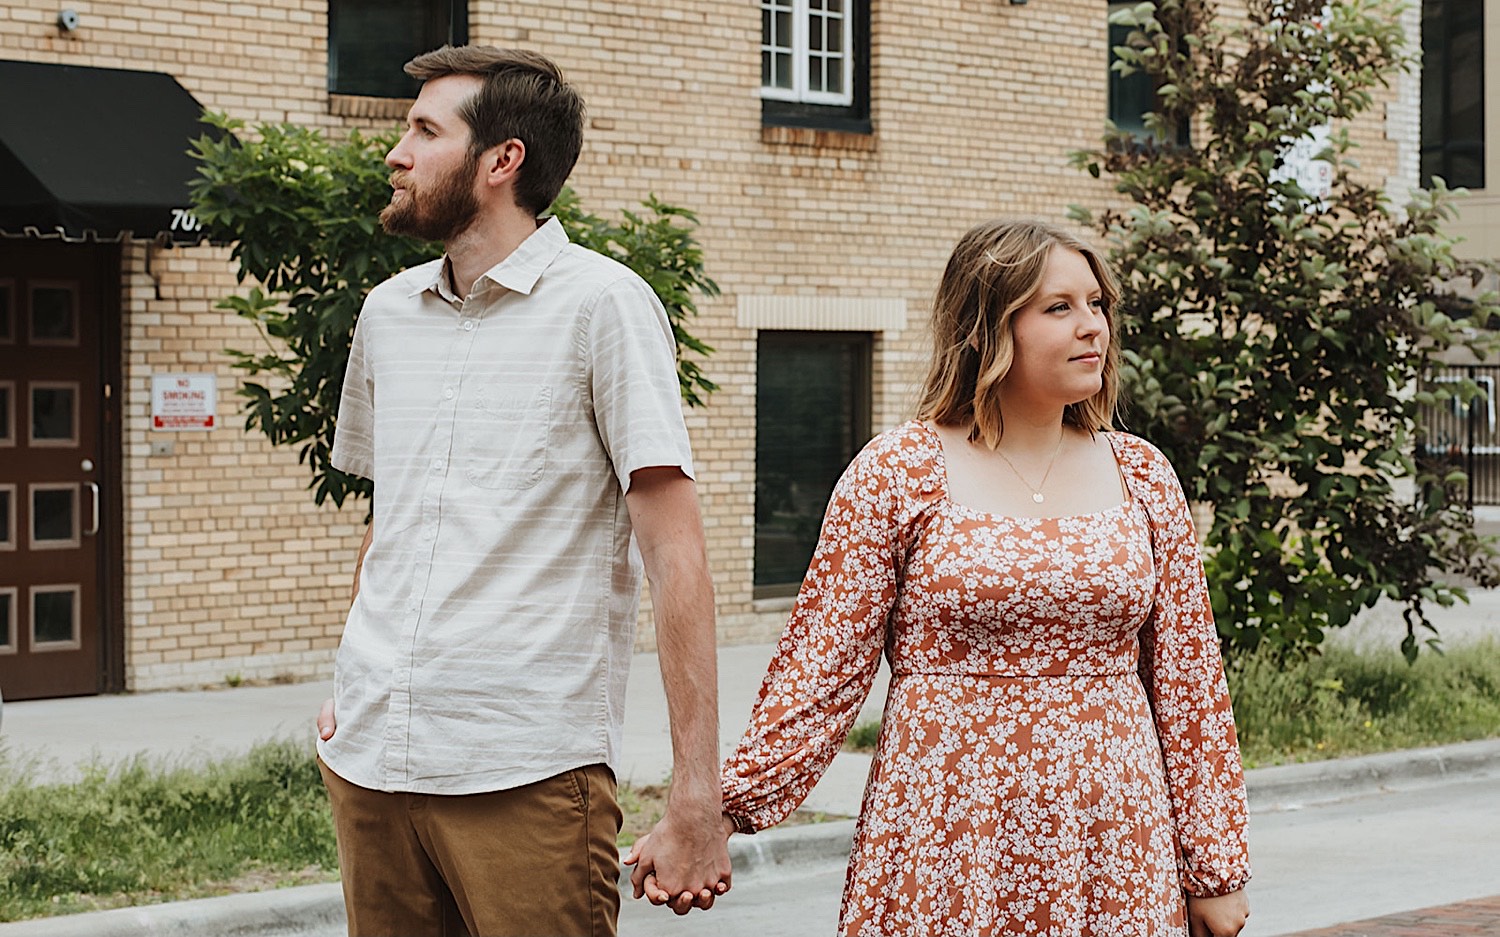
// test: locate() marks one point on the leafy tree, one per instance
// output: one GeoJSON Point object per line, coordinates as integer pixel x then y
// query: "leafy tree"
{"type": "Point", "coordinates": [301, 212]}
{"type": "Point", "coordinates": [1275, 338]}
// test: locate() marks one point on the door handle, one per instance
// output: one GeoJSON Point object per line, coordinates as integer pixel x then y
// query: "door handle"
{"type": "Point", "coordinates": [94, 488]}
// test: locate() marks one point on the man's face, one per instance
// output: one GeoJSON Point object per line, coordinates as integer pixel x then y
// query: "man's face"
{"type": "Point", "coordinates": [434, 175]}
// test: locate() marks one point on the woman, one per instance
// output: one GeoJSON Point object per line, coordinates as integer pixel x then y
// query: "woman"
{"type": "Point", "coordinates": [1058, 755]}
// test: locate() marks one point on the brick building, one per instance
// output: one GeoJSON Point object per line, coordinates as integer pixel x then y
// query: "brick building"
{"type": "Point", "coordinates": [833, 150]}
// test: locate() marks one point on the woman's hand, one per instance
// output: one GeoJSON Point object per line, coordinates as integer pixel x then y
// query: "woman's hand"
{"type": "Point", "coordinates": [1220, 916]}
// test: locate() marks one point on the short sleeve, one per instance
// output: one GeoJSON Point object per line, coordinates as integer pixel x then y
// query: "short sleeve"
{"type": "Point", "coordinates": [354, 432]}
{"type": "Point", "coordinates": [632, 370]}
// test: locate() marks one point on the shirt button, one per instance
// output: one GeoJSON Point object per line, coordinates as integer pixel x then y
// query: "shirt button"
{"type": "Point", "coordinates": [468, 325]}
{"type": "Point", "coordinates": [437, 465]}
{"type": "Point", "coordinates": [448, 393]}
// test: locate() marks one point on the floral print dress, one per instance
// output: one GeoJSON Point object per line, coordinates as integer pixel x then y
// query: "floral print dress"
{"type": "Point", "coordinates": [1057, 755]}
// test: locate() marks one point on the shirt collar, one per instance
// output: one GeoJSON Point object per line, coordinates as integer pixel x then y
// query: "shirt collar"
{"type": "Point", "coordinates": [518, 272]}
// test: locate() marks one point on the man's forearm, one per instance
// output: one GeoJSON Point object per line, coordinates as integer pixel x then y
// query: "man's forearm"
{"type": "Point", "coordinates": [682, 602]}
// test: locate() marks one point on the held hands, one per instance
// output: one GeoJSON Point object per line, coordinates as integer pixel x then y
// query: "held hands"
{"type": "Point", "coordinates": [1221, 916]}
{"type": "Point", "coordinates": [682, 865]}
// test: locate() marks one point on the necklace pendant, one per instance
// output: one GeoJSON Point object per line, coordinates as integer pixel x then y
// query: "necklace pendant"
{"type": "Point", "coordinates": [1037, 497]}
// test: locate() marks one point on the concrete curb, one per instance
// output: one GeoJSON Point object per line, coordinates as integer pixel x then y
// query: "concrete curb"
{"type": "Point", "coordinates": [256, 914]}
{"type": "Point", "coordinates": [288, 911]}
{"type": "Point", "coordinates": [1291, 787]}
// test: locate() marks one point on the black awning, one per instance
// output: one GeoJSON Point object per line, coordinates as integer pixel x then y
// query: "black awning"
{"type": "Point", "coordinates": [95, 152]}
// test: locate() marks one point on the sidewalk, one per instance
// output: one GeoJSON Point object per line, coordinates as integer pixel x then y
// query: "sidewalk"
{"type": "Point", "coordinates": [59, 737]}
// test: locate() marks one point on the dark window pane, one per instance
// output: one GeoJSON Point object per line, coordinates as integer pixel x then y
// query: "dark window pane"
{"type": "Point", "coordinates": [7, 331]}
{"type": "Point", "coordinates": [52, 514]}
{"type": "Point", "coordinates": [812, 415]}
{"type": "Point", "coordinates": [1131, 97]}
{"type": "Point", "coordinates": [1453, 93]}
{"type": "Point", "coordinates": [5, 410]}
{"type": "Point", "coordinates": [7, 512]}
{"type": "Point", "coordinates": [370, 40]}
{"type": "Point", "coordinates": [52, 413]}
{"type": "Point", "coordinates": [52, 617]}
{"type": "Point", "coordinates": [7, 618]}
{"type": "Point", "coordinates": [53, 318]}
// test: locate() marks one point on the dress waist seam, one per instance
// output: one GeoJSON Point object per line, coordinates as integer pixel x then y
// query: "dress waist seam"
{"type": "Point", "coordinates": [1010, 675]}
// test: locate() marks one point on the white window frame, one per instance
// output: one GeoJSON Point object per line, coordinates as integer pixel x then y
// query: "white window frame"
{"type": "Point", "coordinates": [802, 17]}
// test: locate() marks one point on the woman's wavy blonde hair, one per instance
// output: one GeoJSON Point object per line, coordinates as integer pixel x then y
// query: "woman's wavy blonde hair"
{"type": "Point", "coordinates": [995, 269]}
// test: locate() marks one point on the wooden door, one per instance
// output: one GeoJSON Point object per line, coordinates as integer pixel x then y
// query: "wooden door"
{"type": "Point", "coordinates": [55, 462]}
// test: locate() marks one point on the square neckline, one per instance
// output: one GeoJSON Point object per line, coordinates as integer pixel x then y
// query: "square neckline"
{"type": "Point", "coordinates": [941, 472]}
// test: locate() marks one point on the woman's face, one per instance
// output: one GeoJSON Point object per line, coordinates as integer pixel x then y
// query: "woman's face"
{"type": "Point", "coordinates": [1060, 336]}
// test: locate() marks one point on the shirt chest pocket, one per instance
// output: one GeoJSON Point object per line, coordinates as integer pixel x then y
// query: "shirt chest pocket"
{"type": "Point", "coordinates": [503, 436]}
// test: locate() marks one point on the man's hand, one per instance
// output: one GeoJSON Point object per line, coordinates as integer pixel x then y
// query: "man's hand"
{"type": "Point", "coordinates": [655, 857]}
{"type": "Point", "coordinates": [1222, 916]}
{"type": "Point", "coordinates": [326, 722]}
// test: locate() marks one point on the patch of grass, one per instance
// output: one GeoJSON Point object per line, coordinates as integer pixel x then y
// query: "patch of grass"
{"type": "Point", "coordinates": [140, 833]}
{"type": "Point", "coordinates": [642, 807]}
{"type": "Point", "coordinates": [863, 736]}
{"type": "Point", "coordinates": [1343, 702]}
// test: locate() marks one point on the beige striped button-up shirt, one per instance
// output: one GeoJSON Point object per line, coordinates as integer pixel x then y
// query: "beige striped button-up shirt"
{"type": "Point", "coordinates": [491, 637]}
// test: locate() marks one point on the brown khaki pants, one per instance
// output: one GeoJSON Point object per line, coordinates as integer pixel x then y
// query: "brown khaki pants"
{"type": "Point", "coordinates": [533, 861]}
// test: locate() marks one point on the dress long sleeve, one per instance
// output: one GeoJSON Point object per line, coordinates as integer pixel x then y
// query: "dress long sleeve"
{"type": "Point", "coordinates": [1183, 672]}
{"type": "Point", "coordinates": [829, 653]}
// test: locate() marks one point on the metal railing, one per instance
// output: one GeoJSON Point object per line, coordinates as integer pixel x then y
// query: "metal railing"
{"type": "Point", "coordinates": [1461, 433]}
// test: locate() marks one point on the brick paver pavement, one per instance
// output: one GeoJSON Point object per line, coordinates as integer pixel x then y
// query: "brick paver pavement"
{"type": "Point", "coordinates": [1480, 918]}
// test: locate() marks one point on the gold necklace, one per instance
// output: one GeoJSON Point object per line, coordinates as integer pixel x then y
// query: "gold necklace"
{"type": "Point", "coordinates": [1036, 492]}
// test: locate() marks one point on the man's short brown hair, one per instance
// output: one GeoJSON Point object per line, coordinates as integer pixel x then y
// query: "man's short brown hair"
{"type": "Point", "coordinates": [524, 97]}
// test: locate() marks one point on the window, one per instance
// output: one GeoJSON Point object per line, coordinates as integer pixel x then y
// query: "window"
{"type": "Point", "coordinates": [1453, 92]}
{"type": "Point", "coordinates": [812, 414]}
{"type": "Point", "coordinates": [1132, 97]}
{"type": "Point", "coordinates": [369, 41]}
{"type": "Point", "coordinates": [814, 64]}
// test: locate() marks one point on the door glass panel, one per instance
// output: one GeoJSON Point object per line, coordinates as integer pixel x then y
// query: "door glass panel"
{"type": "Point", "coordinates": [54, 414]}
{"type": "Point", "coordinates": [7, 318]}
{"type": "Point", "coordinates": [54, 314]}
{"type": "Point", "coordinates": [7, 517]}
{"type": "Point", "coordinates": [54, 617]}
{"type": "Point", "coordinates": [54, 517]}
{"type": "Point", "coordinates": [8, 620]}
{"type": "Point", "coordinates": [7, 413]}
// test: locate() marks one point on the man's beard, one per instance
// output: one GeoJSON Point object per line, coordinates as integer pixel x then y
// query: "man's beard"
{"type": "Point", "coordinates": [440, 215]}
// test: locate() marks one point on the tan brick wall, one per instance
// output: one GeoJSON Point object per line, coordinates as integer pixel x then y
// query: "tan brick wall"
{"type": "Point", "coordinates": [230, 570]}
{"type": "Point", "coordinates": [976, 106]}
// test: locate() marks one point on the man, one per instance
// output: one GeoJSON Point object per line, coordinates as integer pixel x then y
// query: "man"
{"type": "Point", "coordinates": [516, 404]}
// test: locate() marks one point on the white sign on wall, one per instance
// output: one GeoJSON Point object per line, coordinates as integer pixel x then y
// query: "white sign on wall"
{"type": "Point", "coordinates": [1300, 163]}
{"type": "Point", "coordinates": [183, 401]}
